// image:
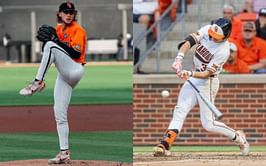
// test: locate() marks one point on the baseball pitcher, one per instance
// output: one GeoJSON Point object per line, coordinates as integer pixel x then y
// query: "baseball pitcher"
{"type": "Point", "coordinates": [65, 46]}
{"type": "Point", "coordinates": [212, 51]}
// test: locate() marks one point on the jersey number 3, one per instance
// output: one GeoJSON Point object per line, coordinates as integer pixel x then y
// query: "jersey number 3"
{"type": "Point", "coordinates": [203, 67]}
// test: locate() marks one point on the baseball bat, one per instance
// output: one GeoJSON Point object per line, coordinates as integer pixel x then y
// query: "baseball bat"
{"type": "Point", "coordinates": [210, 105]}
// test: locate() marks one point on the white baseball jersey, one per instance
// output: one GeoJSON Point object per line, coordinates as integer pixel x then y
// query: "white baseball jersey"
{"type": "Point", "coordinates": [209, 54]}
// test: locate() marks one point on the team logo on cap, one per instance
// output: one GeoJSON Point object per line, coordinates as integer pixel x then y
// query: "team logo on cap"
{"type": "Point", "coordinates": [69, 4]}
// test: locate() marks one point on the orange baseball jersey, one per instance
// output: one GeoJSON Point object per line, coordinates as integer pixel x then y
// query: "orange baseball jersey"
{"type": "Point", "coordinates": [75, 37]}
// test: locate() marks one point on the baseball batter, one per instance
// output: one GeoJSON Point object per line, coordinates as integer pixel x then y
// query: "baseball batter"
{"type": "Point", "coordinates": [65, 47]}
{"type": "Point", "coordinates": [211, 53]}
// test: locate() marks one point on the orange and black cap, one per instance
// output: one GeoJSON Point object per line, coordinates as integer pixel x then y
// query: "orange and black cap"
{"type": "Point", "coordinates": [67, 6]}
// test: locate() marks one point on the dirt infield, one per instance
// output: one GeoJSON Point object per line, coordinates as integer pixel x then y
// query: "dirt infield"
{"type": "Point", "coordinates": [42, 162]}
{"type": "Point", "coordinates": [201, 159]}
{"type": "Point", "coordinates": [81, 118]}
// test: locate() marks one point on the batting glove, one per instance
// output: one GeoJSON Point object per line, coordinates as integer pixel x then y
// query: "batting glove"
{"type": "Point", "coordinates": [177, 65]}
{"type": "Point", "coordinates": [184, 74]}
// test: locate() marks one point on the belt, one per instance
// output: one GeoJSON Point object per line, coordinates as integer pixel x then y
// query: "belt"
{"type": "Point", "coordinates": [212, 76]}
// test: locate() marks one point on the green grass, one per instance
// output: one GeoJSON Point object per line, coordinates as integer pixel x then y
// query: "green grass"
{"type": "Point", "coordinates": [144, 149]}
{"type": "Point", "coordinates": [99, 85]}
{"type": "Point", "coordinates": [112, 146]}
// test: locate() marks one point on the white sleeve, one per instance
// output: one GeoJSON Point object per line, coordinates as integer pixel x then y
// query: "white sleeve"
{"type": "Point", "coordinates": [218, 60]}
{"type": "Point", "coordinates": [200, 33]}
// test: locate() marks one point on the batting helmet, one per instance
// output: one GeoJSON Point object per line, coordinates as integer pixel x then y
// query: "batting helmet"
{"type": "Point", "coordinates": [220, 28]}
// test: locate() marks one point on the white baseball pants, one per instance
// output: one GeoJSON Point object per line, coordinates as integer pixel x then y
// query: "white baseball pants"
{"type": "Point", "coordinates": [188, 98]}
{"type": "Point", "coordinates": [69, 74]}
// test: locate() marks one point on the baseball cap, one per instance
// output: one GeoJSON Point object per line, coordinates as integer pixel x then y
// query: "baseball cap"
{"type": "Point", "coordinates": [67, 6]}
{"type": "Point", "coordinates": [262, 12]}
{"type": "Point", "coordinates": [249, 26]}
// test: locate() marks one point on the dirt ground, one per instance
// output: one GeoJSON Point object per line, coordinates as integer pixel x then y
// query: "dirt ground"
{"type": "Point", "coordinates": [201, 159]}
{"type": "Point", "coordinates": [43, 162]}
{"type": "Point", "coordinates": [81, 118]}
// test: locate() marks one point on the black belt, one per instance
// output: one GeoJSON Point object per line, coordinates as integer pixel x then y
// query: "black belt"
{"type": "Point", "coordinates": [212, 76]}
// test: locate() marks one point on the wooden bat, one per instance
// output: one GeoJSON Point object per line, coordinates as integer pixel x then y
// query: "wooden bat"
{"type": "Point", "coordinates": [210, 105]}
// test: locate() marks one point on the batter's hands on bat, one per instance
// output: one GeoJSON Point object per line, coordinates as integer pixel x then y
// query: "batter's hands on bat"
{"type": "Point", "coordinates": [184, 74]}
{"type": "Point", "coordinates": [47, 33]}
{"type": "Point", "coordinates": [177, 65]}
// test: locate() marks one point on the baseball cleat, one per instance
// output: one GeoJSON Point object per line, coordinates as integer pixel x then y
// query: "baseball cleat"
{"type": "Point", "coordinates": [160, 151]}
{"type": "Point", "coordinates": [33, 87]}
{"type": "Point", "coordinates": [62, 158]}
{"type": "Point", "coordinates": [242, 142]}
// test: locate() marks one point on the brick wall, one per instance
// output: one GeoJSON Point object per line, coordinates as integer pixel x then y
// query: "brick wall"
{"type": "Point", "coordinates": [242, 99]}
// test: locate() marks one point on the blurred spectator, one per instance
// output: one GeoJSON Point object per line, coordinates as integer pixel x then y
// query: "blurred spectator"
{"type": "Point", "coordinates": [233, 64]}
{"type": "Point", "coordinates": [258, 4]}
{"type": "Point", "coordinates": [143, 11]}
{"type": "Point", "coordinates": [261, 24]}
{"type": "Point", "coordinates": [162, 6]}
{"type": "Point", "coordinates": [229, 13]}
{"type": "Point", "coordinates": [250, 50]}
{"type": "Point", "coordinates": [248, 6]}
{"type": "Point", "coordinates": [248, 13]}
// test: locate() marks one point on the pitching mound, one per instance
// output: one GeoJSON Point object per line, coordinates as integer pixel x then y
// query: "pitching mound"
{"type": "Point", "coordinates": [201, 159]}
{"type": "Point", "coordinates": [43, 162]}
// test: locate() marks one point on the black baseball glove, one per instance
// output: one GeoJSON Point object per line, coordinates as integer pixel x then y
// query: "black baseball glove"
{"type": "Point", "coordinates": [47, 33]}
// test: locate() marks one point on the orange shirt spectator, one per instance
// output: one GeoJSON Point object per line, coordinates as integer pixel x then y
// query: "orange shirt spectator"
{"type": "Point", "coordinates": [164, 4]}
{"type": "Point", "coordinates": [248, 13]}
{"type": "Point", "coordinates": [236, 28]}
{"type": "Point", "coordinates": [251, 49]}
{"type": "Point", "coordinates": [247, 16]}
{"type": "Point", "coordinates": [229, 13]}
{"type": "Point", "coordinates": [233, 64]}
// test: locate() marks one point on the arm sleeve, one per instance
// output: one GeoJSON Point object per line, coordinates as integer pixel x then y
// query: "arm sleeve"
{"type": "Point", "coordinates": [77, 42]}
{"type": "Point", "coordinates": [194, 38]}
{"type": "Point", "coordinates": [71, 51]}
